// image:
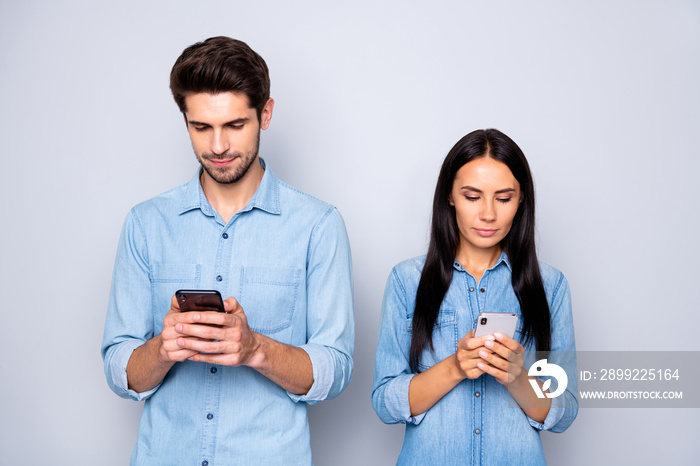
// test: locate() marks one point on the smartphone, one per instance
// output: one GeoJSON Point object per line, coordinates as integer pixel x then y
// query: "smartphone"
{"type": "Point", "coordinates": [199, 300]}
{"type": "Point", "coordinates": [489, 323]}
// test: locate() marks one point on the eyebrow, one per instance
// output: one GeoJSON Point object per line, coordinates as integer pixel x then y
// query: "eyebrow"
{"type": "Point", "coordinates": [500, 191]}
{"type": "Point", "coordinates": [237, 121]}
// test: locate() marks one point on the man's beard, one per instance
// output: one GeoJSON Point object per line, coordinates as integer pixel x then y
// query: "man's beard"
{"type": "Point", "coordinates": [224, 175]}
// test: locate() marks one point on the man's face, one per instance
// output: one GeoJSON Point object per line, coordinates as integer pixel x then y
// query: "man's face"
{"type": "Point", "coordinates": [225, 133]}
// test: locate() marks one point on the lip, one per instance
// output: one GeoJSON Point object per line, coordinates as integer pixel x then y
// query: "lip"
{"type": "Point", "coordinates": [485, 232]}
{"type": "Point", "coordinates": [221, 163]}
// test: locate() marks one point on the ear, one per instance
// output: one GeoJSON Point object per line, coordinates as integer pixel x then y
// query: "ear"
{"type": "Point", "coordinates": [185, 118]}
{"type": "Point", "coordinates": [266, 114]}
{"type": "Point", "coordinates": [449, 199]}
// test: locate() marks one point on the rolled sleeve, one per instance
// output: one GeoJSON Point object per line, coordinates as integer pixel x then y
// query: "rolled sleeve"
{"type": "Point", "coordinates": [129, 322]}
{"type": "Point", "coordinates": [330, 321]}
{"type": "Point", "coordinates": [116, 360]}
{"type": "Point", "coordinates": [562, 413]}
{"type": "Point", "coordinates": [392, 404]}
{"type": "Point", "coordinates": [324, 373]}
{"type": "Point", "coordinates": [392, 374]}
{"type": "Point", "coordinates": [564, 408]}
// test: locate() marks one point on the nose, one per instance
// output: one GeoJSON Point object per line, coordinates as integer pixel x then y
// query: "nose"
{"type": "Point", "coordinates": [219, 143]}
{"type": "Point", "coordinates": [488, 213]}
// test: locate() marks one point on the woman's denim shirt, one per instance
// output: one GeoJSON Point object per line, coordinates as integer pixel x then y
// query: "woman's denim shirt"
{"type": "Point", "coordinates": [478, 422]}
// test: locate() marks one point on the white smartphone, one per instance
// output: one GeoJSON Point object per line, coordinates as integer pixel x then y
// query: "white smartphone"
{"type": "Point", "coordinates": [489, 323]}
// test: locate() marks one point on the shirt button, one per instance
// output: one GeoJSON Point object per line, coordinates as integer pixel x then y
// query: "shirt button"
{"type": "Point", "coordinates": [471, 288]}
{"type": "Point", "coordinates": [477, 431]}
{"type": "Point", "coordinates": [483, 290]}
{"type": "Point", "coordinates": [205, 463]}
{"type": "Point", "coordinates": [225, 235]}
{"type": "Point", "coordinates": [219, 278]}
{"type": "Point", "coordinates": [210, 416]}
{"type": "Point", "coordinates": [213, 370]}
{"type": "Point", "coordinates": [477, 394]}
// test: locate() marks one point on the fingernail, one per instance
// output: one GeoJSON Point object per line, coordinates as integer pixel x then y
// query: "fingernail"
{"type": "Point", "coordinates": [480, 365]}
{"type": "Point", "coordinates": [180, 342]}
{"type": "Point", "coordinates": [197, 317]}
{"type": "Point", "coordinates": [178, 327]}
{"type": "Point", "coordinates": [488, 343]}
{"type": "Point", "coordinates": [483, 354]}
{"type": "Point", "coordinates": [499, 335]}
{"type": "Point", "coordinates": [490, 337]}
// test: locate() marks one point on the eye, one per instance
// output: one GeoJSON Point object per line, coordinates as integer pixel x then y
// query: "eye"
{"type": "Point", "coordinates": [471, 198]}
{"type": "Point", "coordinates": [200, 128]}
{"type": "Point", "coordinates": [236, 126]}
{"type": "Point", "coordinates": [505, 200]}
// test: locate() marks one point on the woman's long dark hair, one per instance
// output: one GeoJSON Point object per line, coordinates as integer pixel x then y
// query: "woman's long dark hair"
{"type": "Point", "coordinates": [519, 244]}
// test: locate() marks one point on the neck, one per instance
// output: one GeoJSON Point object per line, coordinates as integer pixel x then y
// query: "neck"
{"type": "Point", "coordinates": [227, 199]}
{"type": "Point", "coordinates": [477, 260]}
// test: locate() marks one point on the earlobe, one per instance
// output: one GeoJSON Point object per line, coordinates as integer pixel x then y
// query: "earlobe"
{"type": "Point", "coordinates": [449, 199]}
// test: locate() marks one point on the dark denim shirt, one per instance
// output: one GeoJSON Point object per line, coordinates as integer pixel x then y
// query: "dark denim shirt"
{"type": "Point", "coordinates": [477, 422]}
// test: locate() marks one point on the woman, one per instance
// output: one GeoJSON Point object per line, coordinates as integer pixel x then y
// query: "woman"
{"type": "Point", "coordinates": [468, 400]}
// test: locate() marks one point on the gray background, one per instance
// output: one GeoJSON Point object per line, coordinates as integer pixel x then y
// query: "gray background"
{"type": "Point", "coordinates": [602, 96]}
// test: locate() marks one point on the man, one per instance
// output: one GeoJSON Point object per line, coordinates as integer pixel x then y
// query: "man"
{"type": "Point", "coordinates": [229, 388]}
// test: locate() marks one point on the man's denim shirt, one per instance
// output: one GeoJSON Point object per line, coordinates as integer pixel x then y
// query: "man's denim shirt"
{"type": "Point", "coordinates": [477, 422]}
{"type": "Point", "coordinates": [286, 258]}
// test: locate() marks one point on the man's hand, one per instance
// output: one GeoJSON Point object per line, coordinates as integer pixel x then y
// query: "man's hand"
{"type": "Point", "coordinates": [169, 349]}
{"type": "Point", "coordinates": [226, 339]}
{"type": "Point", "coordinates": [150, 362]}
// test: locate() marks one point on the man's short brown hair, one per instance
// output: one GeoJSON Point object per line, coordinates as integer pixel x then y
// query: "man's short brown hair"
{"type": "Point", "coordinates": [221, 64]}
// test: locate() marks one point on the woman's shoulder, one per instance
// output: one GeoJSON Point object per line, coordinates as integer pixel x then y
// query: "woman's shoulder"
{"type": "Point", "coordinates": [552, 277]}
{"type": "Point", "coordinates": [404, 279]}
{"type": "Point", "coordinates": [406, 274]}
{"type": "Point", "coordinates": [410, 267]}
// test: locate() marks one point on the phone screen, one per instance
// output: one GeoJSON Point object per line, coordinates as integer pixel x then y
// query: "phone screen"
{"type": "Point", "coordinates": [199, 300]}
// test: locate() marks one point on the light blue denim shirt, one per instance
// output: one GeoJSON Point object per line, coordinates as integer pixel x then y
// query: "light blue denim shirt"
{"type": "Point", "coordinates": [478, 422]}
{"type": "Point", "coordinates": [286, 258]}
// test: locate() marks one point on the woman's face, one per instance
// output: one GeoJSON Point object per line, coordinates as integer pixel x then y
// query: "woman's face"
{"type": "Point", "coordinates": [486, 196]}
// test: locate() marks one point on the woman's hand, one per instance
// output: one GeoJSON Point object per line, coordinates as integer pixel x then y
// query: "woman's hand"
{"type": "Point", "coordinates": [468, 354]}
{"type": "Point", "coordinates": [426, 388]}
{"type": "Point", "coordinates": [502, 358]}
{"type": "Point", "coordinates": [504, 361]}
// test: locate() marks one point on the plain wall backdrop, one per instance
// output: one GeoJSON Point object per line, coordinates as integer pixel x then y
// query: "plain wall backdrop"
{"type": "Point", "coordinates": [602, 96]}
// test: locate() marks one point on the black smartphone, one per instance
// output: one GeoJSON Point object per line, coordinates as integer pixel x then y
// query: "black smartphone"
{"type": "Point", "coordinates": [199, 300]}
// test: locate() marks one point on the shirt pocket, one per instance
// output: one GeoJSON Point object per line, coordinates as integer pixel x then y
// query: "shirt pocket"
{"type": "Point", "coordinates": [444, 338]}
{"type": "Point", "coordinates": [268, 296]}
{"type": "Point", "coordinates": [166, 279]}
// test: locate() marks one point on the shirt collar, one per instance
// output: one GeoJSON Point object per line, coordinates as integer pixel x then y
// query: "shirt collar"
{"type": "Point", "coordinates": [503, 258]}
{"type": "Point", "coordinates": [266, 197]}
